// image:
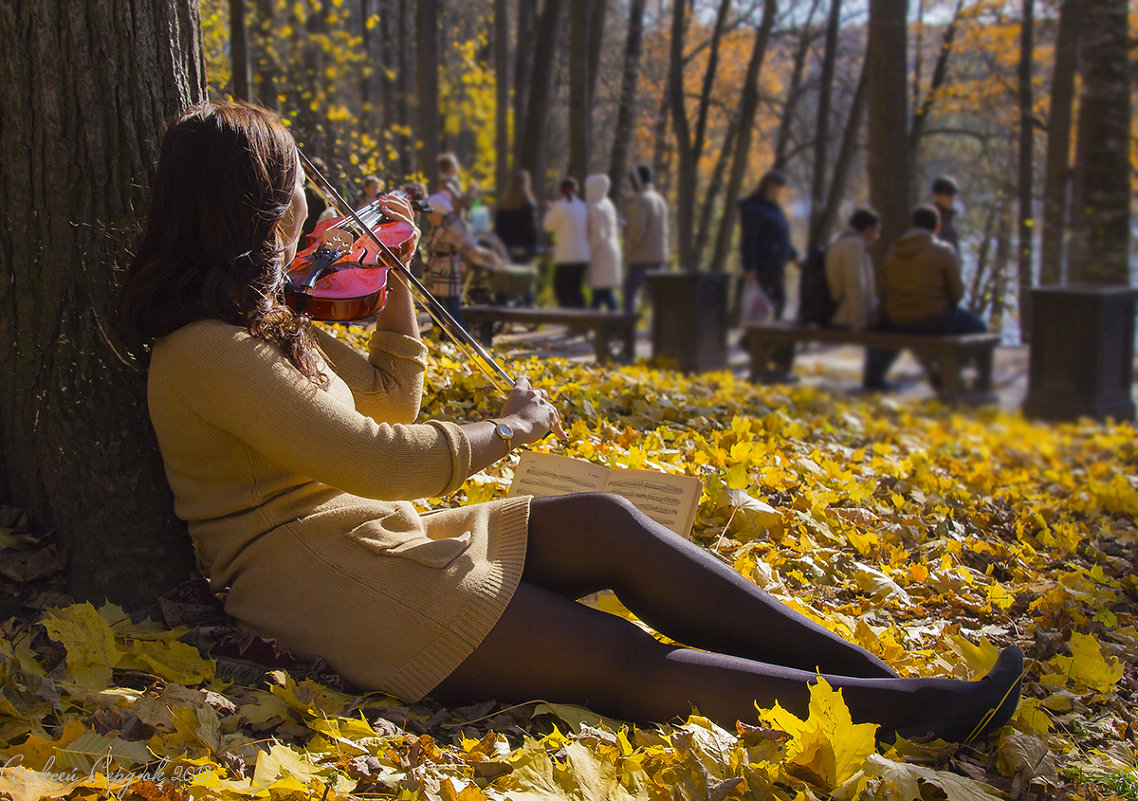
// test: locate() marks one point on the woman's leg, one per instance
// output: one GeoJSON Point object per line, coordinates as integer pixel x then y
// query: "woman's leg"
{"type": "Point", "coordinates": [548, 647]}
{"type": "Point", "coordinates": [583, 543]}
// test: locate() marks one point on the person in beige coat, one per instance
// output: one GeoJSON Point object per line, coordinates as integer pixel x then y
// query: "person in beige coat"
{"type": "Point", "coordinates": [849, 272]}
{"type": "Point", "coordinates": [645, 233]}
{"type": "Point", "coordinates": [295, 462]}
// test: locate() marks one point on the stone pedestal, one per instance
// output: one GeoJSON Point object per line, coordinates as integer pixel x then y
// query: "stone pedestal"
{"type": "Point", "coordinates": [689, 319]}
{"type": "Point", "coordinates": [1082, 353]}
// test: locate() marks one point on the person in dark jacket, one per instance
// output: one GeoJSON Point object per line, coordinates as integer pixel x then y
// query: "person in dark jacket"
{"type": "Point", "coordinates": [944, 198]}
{"type": "Point", "coordinates": [766, 244]}
{"type": "Point", "coordinates": [515, 222]}
{"type": "Point", "coordinates": [921, 286]}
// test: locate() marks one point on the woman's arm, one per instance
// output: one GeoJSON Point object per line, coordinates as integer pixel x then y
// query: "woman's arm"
{"type": "Point", "coordinates": [529, 415]}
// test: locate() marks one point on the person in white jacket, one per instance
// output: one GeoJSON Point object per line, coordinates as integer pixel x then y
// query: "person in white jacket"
{"type": "Point", "coordinates": [604, 274]}
{"type": "Point", "coordinates": [568, 220]}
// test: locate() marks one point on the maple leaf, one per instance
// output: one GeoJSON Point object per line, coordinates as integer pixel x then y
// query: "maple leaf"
{"type": "Point", "coordinates": [90, 643]}
{"type": "Point", "coordinates": [828, 742]}
{"type": "Point", "coordinates": [1086, 667]}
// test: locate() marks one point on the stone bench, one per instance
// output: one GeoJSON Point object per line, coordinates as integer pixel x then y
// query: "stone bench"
{"type": "Point", "coordinates": [959, 366]}
{"type": "Point", "coordinates": [614, 333]}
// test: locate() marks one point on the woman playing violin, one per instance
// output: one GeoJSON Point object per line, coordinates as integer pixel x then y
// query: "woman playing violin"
{"type": "Point", "coordinates": [294, 461]}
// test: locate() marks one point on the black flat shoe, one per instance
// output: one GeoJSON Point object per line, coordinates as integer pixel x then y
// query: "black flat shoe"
{"type": "Point", "coordinates": [1003, 696]}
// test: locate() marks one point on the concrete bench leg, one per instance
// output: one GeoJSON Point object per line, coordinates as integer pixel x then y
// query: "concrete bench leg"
{"type": "Point", "coordinates": [765, 360]}
{"type": "Point", "coordinates": [601, 343]}
{"type": "Point", "coordinates": [486, 333]}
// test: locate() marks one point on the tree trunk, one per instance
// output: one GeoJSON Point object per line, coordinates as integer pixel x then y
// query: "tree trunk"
{"type": "Point", "coordinates": [239, 51]}
{"type": "Point", "coordinates": [748, 105]}
{"type": "Point", "coordinates": [502, 94]}
{"type": "Point", "coordinates": [1058, 180]}
{"type": "Point", "coordinates": [523, 56]}
{"type": "Point", "coordinates": [977, 302]}
{"type": "Point", "coordinates": [712, 195]}
{"type": "Point", "coordinates": [998, 286]}
{"type": "Point", "coordinates": [76, 445]}
{"type": "Point", "coordinates": [264, 59]}
{"type": "Point", "coordinates": [887, 158]}
{"type": "Point", "coordinates": [427, 74]}
{"type": "Point", "coordinates": [405, 78]}
{"type": "Point", "coordinates": [794, 90]}
{"type": "Point", "coordinates": [596, 44]}
{"type": "Point", "coordinates": [689, 144]}
{"type": "Point", "coordinates": [532, 141]}
{"type": "Point", "coordinates": [1100, 219]}
{"type": "Point", "coordinates": [923, 110]}
{"type": "Point", "coordinates": [685, 178]}
{"type": "Point", "coordinates": [844, 165]}
{"type": "Point", "coordinates": [822, 125]}
{"type": "Point", "coordinates": [1026, 164]}
{"type": "Point", "coordinates": [579, 105]}
{"type": "Point", "coordinates": [624, 113]}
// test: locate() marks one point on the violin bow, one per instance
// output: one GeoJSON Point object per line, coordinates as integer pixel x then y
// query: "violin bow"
{"type": "Point", "coordinates": [471, 347]}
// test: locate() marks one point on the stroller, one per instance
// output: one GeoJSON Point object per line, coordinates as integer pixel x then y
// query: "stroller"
{"type": "Point", "coordinates": [510, 284]}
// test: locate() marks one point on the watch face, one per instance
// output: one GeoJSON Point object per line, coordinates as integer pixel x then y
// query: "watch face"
{"type": "Point", "coordinates": [505, 432]}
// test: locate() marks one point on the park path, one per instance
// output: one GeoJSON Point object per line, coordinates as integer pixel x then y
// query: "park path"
{"type": "Point", "coordinates": [836, 369]}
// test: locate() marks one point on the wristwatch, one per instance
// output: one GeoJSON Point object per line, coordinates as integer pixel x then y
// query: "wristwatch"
{"type": "Point", "coordinates": [504, 432]}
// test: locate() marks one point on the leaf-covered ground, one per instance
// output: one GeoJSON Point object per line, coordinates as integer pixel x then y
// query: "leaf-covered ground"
{"type": "Point", "coordinates": [929, 536]}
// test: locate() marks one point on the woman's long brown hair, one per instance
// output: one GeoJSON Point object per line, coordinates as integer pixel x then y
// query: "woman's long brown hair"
{"type": "Point", "coordinates": [213, 247]}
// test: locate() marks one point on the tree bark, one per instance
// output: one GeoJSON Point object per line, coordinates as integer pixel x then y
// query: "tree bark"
{"type": "Point", "coordinates": [596, 44]}
{"type": "Point", "coordinates": [685, 179]}
{"type": "Point", "coordinates": [76, 445]}
{"type": "Point", "coordinates": [922, 109]}
{"type": "Point", "coordinates": [532, 141]}
{"type": "Point", "coordinates": [266, 67]}
{"type": "Point", "coordinates": [794, 90]}
{"type": "Point", "coordinates": [523, 63]}
{"type": "Point", "coordinates": [1058, 179]}
{"type": "Point", "coordinates": [502, 93]}
{"type": "Point", "coordinates": [689, 144]}
{"type": "Point", "coordinates": [427, 74]}
{"type": "Point", "coordinates": [239, 51]}
{"type": "Point", "coordinates": [579, 105]}
{"type": "Point", "coordinates": [405, 78]}
{"type": "Point", "coordinates": [748, 106]}
{"type": "Point", "coordinates": [977, 302]}
{"type": "Point", "coordinates": [1026, 165]}
{"type": "Point", "coordinates": [822, 124]}
{"type": "Point", "coordinates": [828, 219]}
{"type": "Point", "coordinates": [624, 113]}
{"type": "Point", "coordinates": [1100, 232]}
{"type": "Point", "coordinates": [888, 158]}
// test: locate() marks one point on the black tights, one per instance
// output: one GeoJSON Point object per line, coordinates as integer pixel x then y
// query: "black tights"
{"type": "Point", "coordinates": [754, 649]}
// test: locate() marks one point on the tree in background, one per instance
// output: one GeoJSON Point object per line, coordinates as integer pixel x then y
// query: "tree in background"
{"type": "Point", "coordinates": [1058, 180]}
{"type": "Point", "coordinates": [1100, 216]}
{"type": "Point", "coordinates": [888, 152]}
{"type": "Point", "coordinates": [76, 446]}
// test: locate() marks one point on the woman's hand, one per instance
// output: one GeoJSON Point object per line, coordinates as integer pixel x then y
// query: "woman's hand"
{"type": "Point", "coordinates": [531, 415]}
{"type": "Point", "coordinates": [398, 207]}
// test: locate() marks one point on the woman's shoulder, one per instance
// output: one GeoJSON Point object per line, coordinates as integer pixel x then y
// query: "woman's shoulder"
{"type": "Point", "coordinates": [205, 345]}
{"type": "Point", "coordinates": [212, 331]}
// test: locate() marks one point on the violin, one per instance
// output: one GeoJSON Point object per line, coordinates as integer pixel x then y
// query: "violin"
{"type": "Point", "coordinates": [355, 261]}
{"type": "Point", "coordinates": [341, 274]}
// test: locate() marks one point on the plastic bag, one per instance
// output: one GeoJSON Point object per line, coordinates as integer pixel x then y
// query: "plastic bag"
{"type": "Point", "coordinates": [755, 306]}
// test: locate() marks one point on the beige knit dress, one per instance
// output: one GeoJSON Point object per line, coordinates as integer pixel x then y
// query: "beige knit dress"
{"type": "Point", "coordinates": [297, 500]}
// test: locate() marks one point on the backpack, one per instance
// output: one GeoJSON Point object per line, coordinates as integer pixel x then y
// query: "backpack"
{"type": "Point", "coordinates": [816, 306]}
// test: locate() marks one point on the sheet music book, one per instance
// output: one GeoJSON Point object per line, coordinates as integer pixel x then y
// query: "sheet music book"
{"type": "Point", "coordinates": [668, 499]}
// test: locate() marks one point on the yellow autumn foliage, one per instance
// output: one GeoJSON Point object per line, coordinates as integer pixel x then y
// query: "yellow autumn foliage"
{"type": "Point", "coordinates": [927, 535]}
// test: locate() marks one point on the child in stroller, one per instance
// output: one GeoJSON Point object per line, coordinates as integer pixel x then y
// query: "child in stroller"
{"type": "Point", "coordinates": [504, 283]}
